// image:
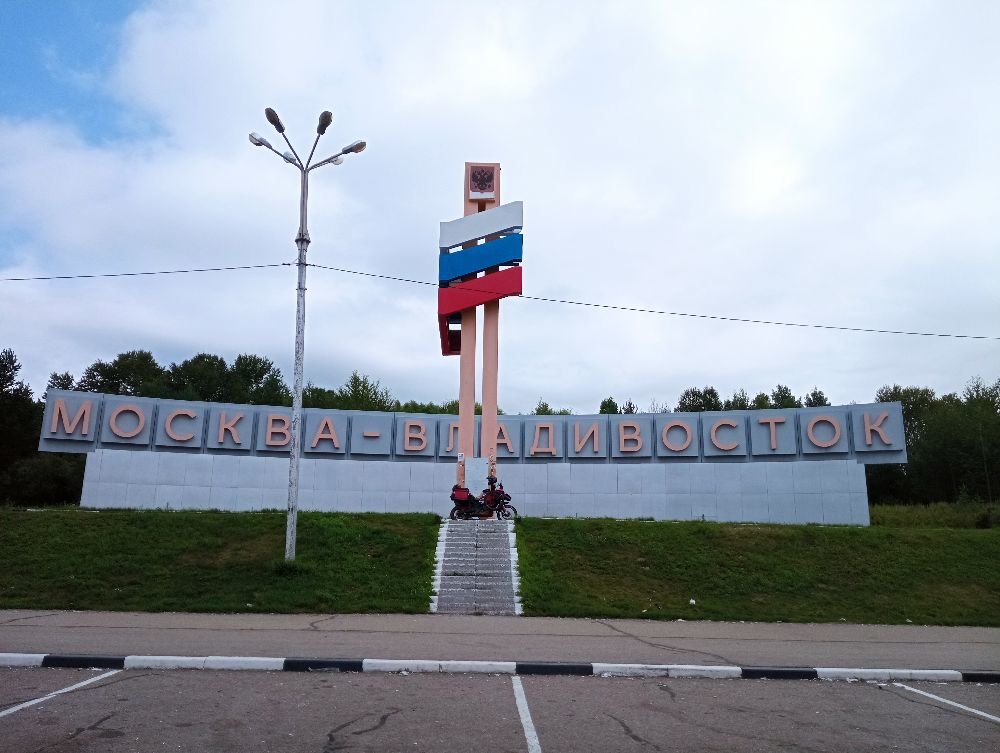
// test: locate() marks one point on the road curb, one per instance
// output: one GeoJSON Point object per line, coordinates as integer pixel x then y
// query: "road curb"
{"type": "Point", "coordinates": [577, 669]}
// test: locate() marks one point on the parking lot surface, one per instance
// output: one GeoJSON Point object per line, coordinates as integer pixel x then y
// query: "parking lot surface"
{"type": "Point", "coordinates": [180, 710]}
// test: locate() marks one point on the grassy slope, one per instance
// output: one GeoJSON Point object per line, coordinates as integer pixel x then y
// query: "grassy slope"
{"type": "Point", "coordinates": [215, 562]}
{"type": "Point", "coordinates": [789, 573]}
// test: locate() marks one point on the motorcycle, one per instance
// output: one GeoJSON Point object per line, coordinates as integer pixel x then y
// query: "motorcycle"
{"type": "Point", "coordinates": [493, 501]}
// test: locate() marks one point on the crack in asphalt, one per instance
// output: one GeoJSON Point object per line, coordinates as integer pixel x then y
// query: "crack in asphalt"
{"type": "Point", "coordinates": [314, 625]}
{"type": "Point", "coordinates": [663, 645]}
{"type": "Point", "coordinates": [628, 731]}
{"type": "Point", "coordinates": [668, 690]}
{"type": "Point", "coordinates": [30, 617]}
{"type": "Point", "coordinates": [333, 744]}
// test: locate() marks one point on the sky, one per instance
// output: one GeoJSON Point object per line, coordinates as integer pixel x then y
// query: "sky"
{"type": "Point", "coordinates": [808, 162]}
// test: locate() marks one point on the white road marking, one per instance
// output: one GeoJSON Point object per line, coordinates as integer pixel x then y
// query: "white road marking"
{"type": "Point", "coordinates": [950, 703]}
{"type": "Point", "coordinates": [530, 736]}
{"type": "Point", "coordinates": [36, 701]}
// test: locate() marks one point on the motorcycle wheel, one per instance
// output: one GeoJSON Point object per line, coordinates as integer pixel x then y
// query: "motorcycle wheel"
{"type": "Point", "coordinates": [454, 513]}
{"type": "Point", "coordinates": [507, 512]}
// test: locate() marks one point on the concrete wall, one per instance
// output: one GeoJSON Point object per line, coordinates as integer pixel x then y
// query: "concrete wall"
{"type": "Point", "coordinates": [801, 491]}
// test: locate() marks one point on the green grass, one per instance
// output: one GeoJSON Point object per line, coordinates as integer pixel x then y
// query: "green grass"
{"type": "Point", "coordinates": [607, 568]}
{"type": "Point", "coordinates": [215, 562]}
{"type": "Point", "coordinates": [939, 515]}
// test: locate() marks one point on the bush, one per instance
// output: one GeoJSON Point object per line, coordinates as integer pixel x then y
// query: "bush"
{"type": "Point", "coordinates": [44, 480]}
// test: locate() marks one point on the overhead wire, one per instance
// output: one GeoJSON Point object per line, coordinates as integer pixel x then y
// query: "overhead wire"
{"type": "Point", "coordinates": [543, 299]}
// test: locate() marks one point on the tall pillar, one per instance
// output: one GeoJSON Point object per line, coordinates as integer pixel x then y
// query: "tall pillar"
{"type": "Point", "coordinates": [491, 360]}
{"type": "Point", "coordinates": [467, 393]}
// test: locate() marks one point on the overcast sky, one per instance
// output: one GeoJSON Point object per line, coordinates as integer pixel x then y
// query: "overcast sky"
{"type": "Point", "coordinates": [800, 161]}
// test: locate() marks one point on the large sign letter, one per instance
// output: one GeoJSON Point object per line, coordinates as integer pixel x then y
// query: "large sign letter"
{"type": "Point", "coordinates": [61, 414]}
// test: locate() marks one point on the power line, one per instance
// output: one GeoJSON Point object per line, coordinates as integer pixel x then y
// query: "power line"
{"type": "Point", "coordinates": [146, 274]}
{"type": "Point", "coordinates": [564, 301]}
{"type": "Point", "coordinates": [716, 317]}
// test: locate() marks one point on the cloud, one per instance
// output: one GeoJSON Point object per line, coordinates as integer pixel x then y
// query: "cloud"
{"type": "Point", "coordinates": [825, 162]}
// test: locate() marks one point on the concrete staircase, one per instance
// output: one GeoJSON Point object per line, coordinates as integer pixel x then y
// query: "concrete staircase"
{"type": "Point", "coordinates": [476, 571]}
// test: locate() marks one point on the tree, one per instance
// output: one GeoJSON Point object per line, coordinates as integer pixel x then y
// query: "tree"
{"type": "Point", "coordinates": [20, 415]}
{"type": "Point", "coordinates": [816, 399]}
{"type": "Point", "coordinates": [201, 377]}
{"type": "Point", "coordinates": [782, 397]}
{"type": "Point", "coordinates": [693, 400]}
{"type": "Point", "coordinates": [761, 401]}
{"type": "Point", "coordinates": [739, 401]}
{"type": "Point", "coordinates": [62, 381]}
{"type": "Point", "coordinates": [134, 372]}
{"type": "Point", "coordinates": [256, 380]}
{"type": "Point", "coordinates": [629, 407]}
{"type": "Point", "coordinates": [655, 407]}
{"type": "Point", "coordinates": [608, 405]}
{"type": "Point", "coordinates": [543, 408]}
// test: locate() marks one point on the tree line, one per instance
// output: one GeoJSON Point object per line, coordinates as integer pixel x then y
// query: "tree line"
{"type": "Point", "coordinates": [953, 440]}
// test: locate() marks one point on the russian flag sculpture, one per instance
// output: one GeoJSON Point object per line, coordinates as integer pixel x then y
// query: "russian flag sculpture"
{"type": "Point", "coordinates": [479, 264]}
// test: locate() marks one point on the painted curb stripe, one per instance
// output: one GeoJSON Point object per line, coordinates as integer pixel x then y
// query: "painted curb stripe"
{"type": "Point", "coordinates": [300, 664]}
{"type": "Point", "coordinates": [553, 668]}
{"type": "Point", "coordinates": [886, 675]}
{"type": "Point", "coordinates": [322, 665]}
{"type": "Point", "coordinates": [165, 662]}
{"type": "Point", "coordinates": [78, 661]}
{"type": "Point", "coordinates": [21, 660]}
{"type": "Point", "coordinates": [981, 676]}
{"type": "Point", "coordinates": [778, 673]}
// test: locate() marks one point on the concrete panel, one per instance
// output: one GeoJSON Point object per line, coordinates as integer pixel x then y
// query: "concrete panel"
{"type": "Point", "coordinates": [533, 505]}
{"type": "Point", "coordinates": [544, 438]}
{"type": "Point", "coordinates": [140, 496]}
{"type": "Point", "coordinates": [824, 431]}
{"type": "Point", "coordinates": [224, 497]}
{"type": "Point", "coordinates": [730, 434]}
{"type": "Point", "coordinates": [422, 477]}
{"type": "Point", "coordinates": [375, 477]}
{"type": "Point", "coordinates": [833, 477]}
{"type": "Point", "coordinates": [704, 507]}
{"type": "Point", "coordinates": [373, 501]}
{"type": "Point", "coordinates": [510, 442]}
{"type": "Point", "coordinates": [226, 470]}
{"type": "Point", "coordinates": [127, 421]}
{"type": "Point", "coordinates": [587, 437]}
{"type": "Point", "coordinates": [248, 498]}
{"type": "Point", "coordinates": [780, 477]}
{"type": "Point", "coordinates": [397, 476]}
{"type": "Point", "coordinates": [512, 478]}
{"type": "Point", "coordinates": [729, 507]}
{"type": "Point", "coordinates": [397, 502]}
{"type": "Point", "coordinates": [71, 422]}
{"type": "Point", "coordinates": [885, 430]}
{"type": "Point", "coordinates": [115, 467]}
{"type": "Point", "coordinates": [629, 479]}
{"type": "Point", "coordinates": [678, 507]}
{"type": "Point", "coordinates": [251, 472]}
{"type": "Point", "coordinates": [781, 507]}
{"type": "Point", "coordinates": [632, 436]}
{"type": "Point", "coordinates": [653, 478]}
{"type": "Point", "coordinates": [275, 472]}
{"type": "Point", "coordinates": [773, 432]}
{"type": "Point", "coordinates": [753, 478]}
{"type": "Point", "coordinates": [729, 478]}
{"type": "Point", "coordinates": [755, 508]}
{"type": "Point", "coordinates": [371, 434]}
{"type": "Point", "coordinates": [678, 478]}
{"type": "Point", "coordinates": [422, 502]}
{"type": "Point", "coordinates": [629, 506]}
{"type": "Point", "coordinates": [703, 478]}
{"type": "Point", "coordinates": [584, 504]}
{"type": "Point", "coordinates": [142, 467]}
{"type": "Point", "coordinates": [234, 424]}
{"type": "Point", "coordinates": [606, 505]}
{"type": "Point", "coordinates": [559, 481]}
{"type": "Point", "coordinates": [560, 505]}
{"type": "Point", "coordinates": [653, 506]}
{"type": "Point", "coordinates": [170, 496]}
{"type": "Point", "coordinates": [808, 477]}
{"type": "Point", "coordinates": [416, 436]}
{"type": "Point", "coordinates": [536, 479]}
{"type": "Point", "coordinates": [837, 508]}
{"type": "Point", "coordinates": [682, 432]}
{"type": "Point", "coordinates": [808, 507]}
{"type": "Point", "coordinates": [326, 432]}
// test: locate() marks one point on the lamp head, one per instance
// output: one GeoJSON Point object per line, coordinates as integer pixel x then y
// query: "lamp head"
{"type": "Point", "coordinates": [273, 119]}
{"type": "Point", "coordinates": [257, 140]}
{"type": "Point", "coordinates": [290, 158]}
{"type": "Point", "coordinates": [354, 148]}
{"type": "Point", "coordinates": [325, 118]}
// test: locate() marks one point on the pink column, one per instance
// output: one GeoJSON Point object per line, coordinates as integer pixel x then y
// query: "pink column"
{"type": "Point", "coordinates": [491, 358]}
{"type": "Point", "coordinates": [467, 392]}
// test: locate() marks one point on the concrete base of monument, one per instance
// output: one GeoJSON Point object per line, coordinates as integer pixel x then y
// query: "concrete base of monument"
{"type": "Point", "coordinates": [829, 492]}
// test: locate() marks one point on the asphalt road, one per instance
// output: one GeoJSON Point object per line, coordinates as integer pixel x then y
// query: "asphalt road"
{"type": "Point", "coordinates": [325, 712]}
{"type": "Point", "coordinates": [461, 637]}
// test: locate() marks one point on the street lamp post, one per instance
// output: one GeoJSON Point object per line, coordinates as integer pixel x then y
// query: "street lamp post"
{"type": "Point", "coordinates": [302, 244]}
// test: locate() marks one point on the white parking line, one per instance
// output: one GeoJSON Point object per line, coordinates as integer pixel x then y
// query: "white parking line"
{"type": "Point", "coordinates": [36, 701]}
{"type": "Point", "coordinates": [530, 736]}
{"type": "Point", "coordinates": [950, 703]}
